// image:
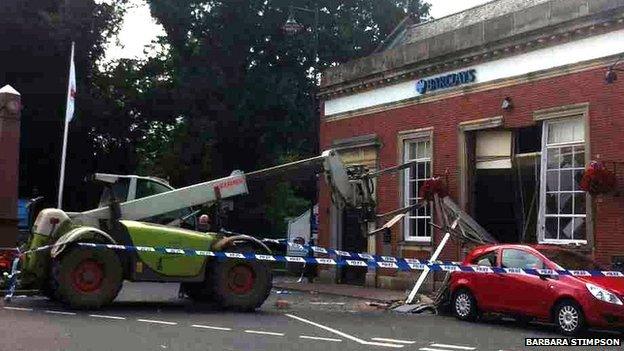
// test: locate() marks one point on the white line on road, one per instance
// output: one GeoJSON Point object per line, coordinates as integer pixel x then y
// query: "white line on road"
{"type": "Point", "coordinates": [263, 332]}
{"type": "Point", "coordinates": [453, 346]}
{"type": "Point", "coordinates": [106, 317]}
{"type": "Point", "coordinates": [430, 349]}
{"type": "Point", "coordinates": [344, 335]}
{"type": "Point", "coordinates": [60, 312]}
{"type": "Point", "coordinates": [156, 322]}
{"type": "Point", "coordinates": [318, 338]}
{"type": "Point", "coordinates": [395, 340]}
{"type": "Point", "coordinates": [210, 327]}
{"type": "Point", "coordinates": [18, 309]}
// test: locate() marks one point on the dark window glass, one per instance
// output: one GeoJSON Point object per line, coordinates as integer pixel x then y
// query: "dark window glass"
{"type": "Point", "coordinates": [565, 203]}
{"type": "Point", "coordinates": [120, 189]}
{"type": "Point", "coordinates": [513, 258]}
{"type": "Point", "coordinates": [566, 157]}
{"type": "Point", "coordinates": [488, 259]}
{"type": "Point", "coordinates": [551, 227]}
{"type": "Point", "coordinates": [148, 188]}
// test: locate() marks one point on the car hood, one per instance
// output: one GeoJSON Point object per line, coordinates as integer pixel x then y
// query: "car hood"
{"type": "Point", "coordinates": [614, 284]}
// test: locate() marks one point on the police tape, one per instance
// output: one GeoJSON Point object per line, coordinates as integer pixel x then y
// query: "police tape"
{"type": "Point", "coordinates": [364, 260]}
{"type": "Point", "coordinates": [346, 254]}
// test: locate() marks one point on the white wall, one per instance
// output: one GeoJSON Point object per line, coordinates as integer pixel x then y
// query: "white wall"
{"type": "Point", "coordinates": [573, 52]}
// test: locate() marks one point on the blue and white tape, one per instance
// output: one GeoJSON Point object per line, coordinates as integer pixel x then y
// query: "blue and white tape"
{"type": "Point", "coordinates": [344, 258]}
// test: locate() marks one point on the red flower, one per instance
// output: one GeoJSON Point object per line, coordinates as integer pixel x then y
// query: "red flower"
{"type": "Point", "coordinates": [431, 187]}
{"type": "Point", "coordinates": [597, 179]}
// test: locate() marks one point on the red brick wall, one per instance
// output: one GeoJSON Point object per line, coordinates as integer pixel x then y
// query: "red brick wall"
{"type": "Point", "coordinates": [606, 117]}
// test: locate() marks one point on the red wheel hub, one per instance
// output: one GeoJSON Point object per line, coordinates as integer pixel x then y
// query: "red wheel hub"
{"type": "Point", "coordinates": [241, 279]}
{"type": "Point", "coordinates": [87, 276]}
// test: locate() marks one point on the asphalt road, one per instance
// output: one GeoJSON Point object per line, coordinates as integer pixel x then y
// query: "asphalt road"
{"type": "Point", "coordinates": [311, 322]}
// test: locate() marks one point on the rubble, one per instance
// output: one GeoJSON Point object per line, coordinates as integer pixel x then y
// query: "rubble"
{"type": "Point", "coordinates": [282, 304]}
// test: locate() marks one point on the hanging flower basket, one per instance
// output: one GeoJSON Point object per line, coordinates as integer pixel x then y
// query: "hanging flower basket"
{"type": "Point", "coordinates": [597, 179]}
{"type": "Point", "coordinates": [431, 187]}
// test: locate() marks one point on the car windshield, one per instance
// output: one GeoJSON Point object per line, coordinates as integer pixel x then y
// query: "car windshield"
{"type": "Point", "coordinates": [570, 260]}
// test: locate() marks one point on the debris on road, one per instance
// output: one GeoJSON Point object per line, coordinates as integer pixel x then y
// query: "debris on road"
{"type": "Point", "coordinates": [415, 308]}
{"type": "Point", "coordinates": [282, 304]}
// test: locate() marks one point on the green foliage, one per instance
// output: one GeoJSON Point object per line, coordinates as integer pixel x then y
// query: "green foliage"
{"type": "Point", "coordinates": [284, 203]}
{"type": "Point", "coordinates": [37, 36]}
{"type": "Point", "coordinates": [245, 89]}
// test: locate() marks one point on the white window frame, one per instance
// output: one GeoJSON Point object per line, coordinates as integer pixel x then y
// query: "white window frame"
{"type": "Point", "coordinates": [543, 176]}
{"type": "Point", "coordinates": [406, 188]}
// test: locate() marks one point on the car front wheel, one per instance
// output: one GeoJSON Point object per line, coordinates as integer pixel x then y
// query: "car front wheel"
{"type": "Point", "coordinates": [569, 318]}
{"type": "Point", "coordinates": [464, 305]}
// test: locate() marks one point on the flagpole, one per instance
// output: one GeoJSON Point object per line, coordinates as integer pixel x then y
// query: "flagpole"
{"type": "Point", "coordinates": [65, 132]}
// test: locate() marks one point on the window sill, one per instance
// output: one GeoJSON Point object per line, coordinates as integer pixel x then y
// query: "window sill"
{"type": "Point", "coordinates": [564, 242]}
{"type": "Point", "coordinates": [415, 243]}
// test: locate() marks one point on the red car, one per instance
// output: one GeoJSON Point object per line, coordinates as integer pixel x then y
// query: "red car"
{"type": "Point", "coordinates": [6, 259]}
{"type": "Point", "coordinates": [571, 302]}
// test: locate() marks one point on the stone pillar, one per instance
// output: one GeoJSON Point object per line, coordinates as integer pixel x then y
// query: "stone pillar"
{"type": "Point", "coordinates": [10, 107]}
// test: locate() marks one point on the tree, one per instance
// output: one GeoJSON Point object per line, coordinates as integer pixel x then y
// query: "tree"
{"type": "Point", "coordinates": [37, 36]}
{"type": "Point", "coordinates": [243, 87]}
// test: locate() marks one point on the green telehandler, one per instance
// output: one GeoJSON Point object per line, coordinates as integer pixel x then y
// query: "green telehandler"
{"type": "Point", "coordinates": [87, 277]}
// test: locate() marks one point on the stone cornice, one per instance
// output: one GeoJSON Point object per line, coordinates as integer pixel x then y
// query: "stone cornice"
{"type": "Point", "coordinates": [469, 57]}
{"type": "Point", "coordinates": [478, 87]}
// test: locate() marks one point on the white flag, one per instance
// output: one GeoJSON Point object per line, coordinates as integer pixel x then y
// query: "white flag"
{"type": "Point", "coordinates": [71, 90]}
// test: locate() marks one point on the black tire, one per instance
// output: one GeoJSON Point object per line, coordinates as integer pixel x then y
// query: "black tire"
{"type": "Point", "coordinates": [569, 318]}
{"type": "Point", "coordinates": [50, 287]}
{"type": "Point", "coordinates": [232, 287]}
{"type": "Point", "coordinates": [200, 292]}
{"type": "Point", "coordinates": [464, 305]}
{"type": "Point", "coordinates": [89, 278]}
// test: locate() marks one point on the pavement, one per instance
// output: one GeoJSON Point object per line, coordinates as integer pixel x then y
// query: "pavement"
{"type": "Point", "coordinates": [355, 291]}
{"type": "Point", "coordinates": [151, 317]}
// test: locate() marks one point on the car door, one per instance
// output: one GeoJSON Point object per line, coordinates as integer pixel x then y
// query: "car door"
{"type": "Point", "coordinates": [524, 294]}
{"type": "Point", "coordinates": [486, 285]}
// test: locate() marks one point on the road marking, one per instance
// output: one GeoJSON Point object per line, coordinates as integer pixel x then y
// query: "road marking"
{"type": "Point", "coordinates": [106, 317]}
{"type": "Point", "coordinates": [156, 322]}
{"type": "Point", "coordinates": [263, 332]}
{"type": "Point", "coordinates": [317, 338]}
{"type": "Point", "coordinates": [209, 327]}
{"type": "Point", "coordinates": [453, 346]}
{"type": "Point", "coordinates": [430, 349]}
{"type": "Point", "coordinates": [60, 312]}
{"type": "Point", "coordinates": [395, 340]}
{"type": "Point", "coordinates": [18, 309]}
{"type": "Point", "coordinates": [344, 335]}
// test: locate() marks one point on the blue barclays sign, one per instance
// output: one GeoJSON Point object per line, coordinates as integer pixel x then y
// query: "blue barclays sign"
{"type": "Point", "coordinates": [447, 81]}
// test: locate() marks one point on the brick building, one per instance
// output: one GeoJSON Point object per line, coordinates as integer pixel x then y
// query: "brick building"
{"type": "Point", "coordinates": [509, 102]}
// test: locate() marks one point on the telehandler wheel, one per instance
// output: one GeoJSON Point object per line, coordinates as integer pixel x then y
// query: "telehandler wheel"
{"type": "Point", "coordinates": [239, 284]}
{"type": "Point", "coordinates": [89, 278]}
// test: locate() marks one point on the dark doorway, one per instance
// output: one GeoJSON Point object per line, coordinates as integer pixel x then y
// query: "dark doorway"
{"type": "Point", "coordinates": [352, 241]}
{"type": "Point", "coordinates": [495, 203]}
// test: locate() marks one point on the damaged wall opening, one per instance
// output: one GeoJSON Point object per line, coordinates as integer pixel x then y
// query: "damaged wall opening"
{"type": "Point", "coordinates": [503, 173]}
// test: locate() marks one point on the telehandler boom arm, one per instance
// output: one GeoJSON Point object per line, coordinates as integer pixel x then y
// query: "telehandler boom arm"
{"type": "Point", "coordinates": [210, 191]}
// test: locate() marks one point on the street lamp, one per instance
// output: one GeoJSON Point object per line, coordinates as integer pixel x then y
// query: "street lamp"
{"type": "Point", "coordinates": [292, 27]}
{"type": "Point", "coordinates": [611, 76]}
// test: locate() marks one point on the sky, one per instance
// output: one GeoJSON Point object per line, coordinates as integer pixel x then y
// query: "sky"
{"type": "Point", "coordinates": [139, 28]}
